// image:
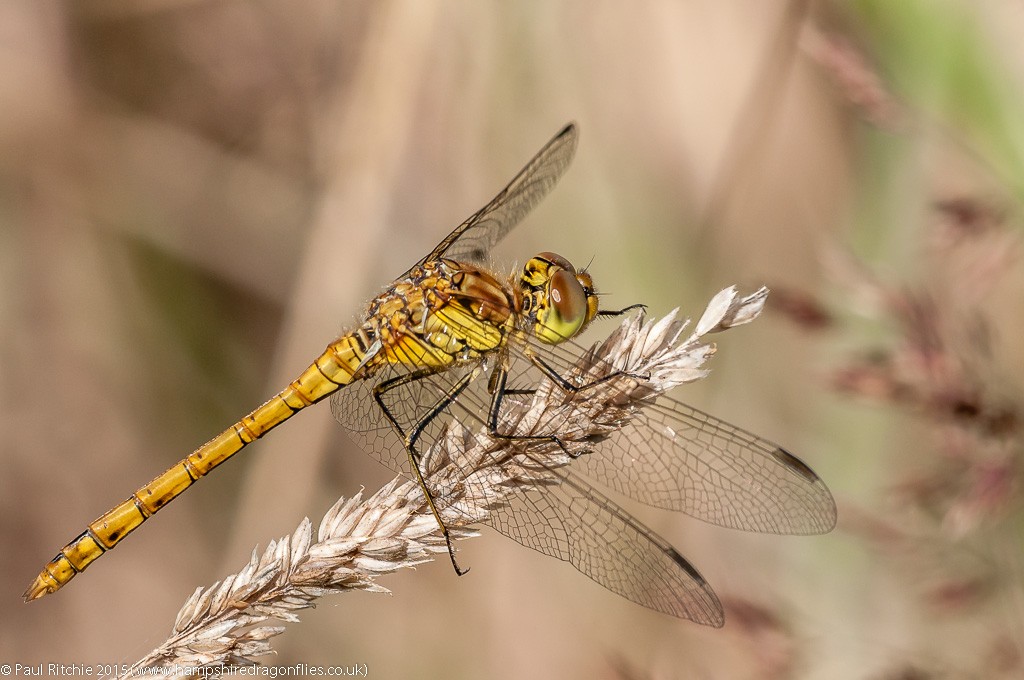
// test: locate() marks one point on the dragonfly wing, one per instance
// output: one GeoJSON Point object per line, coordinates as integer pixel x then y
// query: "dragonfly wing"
{"type": "Point", "coordinates": [674, 456]}
{"type": "Point", "coordinates": [473, 239]}
{"type": "Point", "coordinates": [560, 515]}
{"type": "Point", "coordinates": [572, 521]}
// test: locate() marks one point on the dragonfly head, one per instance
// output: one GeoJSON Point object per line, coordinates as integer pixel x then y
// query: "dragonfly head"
{"type": "Point", "coordinates": [559, 300]}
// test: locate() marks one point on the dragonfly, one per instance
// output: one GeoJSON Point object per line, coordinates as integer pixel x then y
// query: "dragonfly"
{"type": "Point", "coordinates": [439, 345]}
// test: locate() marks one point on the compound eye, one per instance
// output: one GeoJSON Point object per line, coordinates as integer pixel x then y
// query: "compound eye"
{"type": "Point", "coordinates": [568, 297]}
{"type": "Point", "coordinates": [566, 309]}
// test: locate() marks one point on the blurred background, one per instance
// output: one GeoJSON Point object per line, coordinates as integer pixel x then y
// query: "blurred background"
{"type": "Point", "coordinates": [196, 196]}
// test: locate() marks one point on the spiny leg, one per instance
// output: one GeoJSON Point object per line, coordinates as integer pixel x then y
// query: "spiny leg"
{"type": "Point", "coordinates": [567, 386]}
{"type": "Point", "coordinates": [409, 439]}
{"type": "Point", "coordinates": [620, 312]}
{"type": "Point", "coordinates": [562, 382]}
{"type": "Point", "coordinates": [499, 378]}
{"type": "Point", "coordinates": [499, 391]}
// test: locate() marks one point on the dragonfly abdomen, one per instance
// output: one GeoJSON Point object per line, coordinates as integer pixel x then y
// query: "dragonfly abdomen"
{"type": "Point", "coordinates": [332, 370]}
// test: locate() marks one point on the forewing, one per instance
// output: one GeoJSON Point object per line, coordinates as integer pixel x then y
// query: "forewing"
{"type": "Point", "coordinates": [473, 239]}
{"type": "Point", "coordinates": [671, 455]}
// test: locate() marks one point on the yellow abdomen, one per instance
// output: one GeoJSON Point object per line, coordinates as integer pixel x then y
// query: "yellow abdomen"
{"type": "Point", "coordinates": [334, 369]}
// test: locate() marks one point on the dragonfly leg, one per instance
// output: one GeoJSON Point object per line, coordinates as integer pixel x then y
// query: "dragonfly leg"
{"type": "Point", "coordinates": [567, 386]}
{"type": "Point", "coordinates": [498, 392]}
{"type": "Point", "coordinates": [620, 312]}
{"type": "Point", "coordinates": [410, 438]}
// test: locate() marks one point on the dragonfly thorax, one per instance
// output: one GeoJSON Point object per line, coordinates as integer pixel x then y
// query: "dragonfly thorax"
{"type": "Point", "coordinates": [442, 312]}
{"type": "Point", "coordinates": [558, 300]}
